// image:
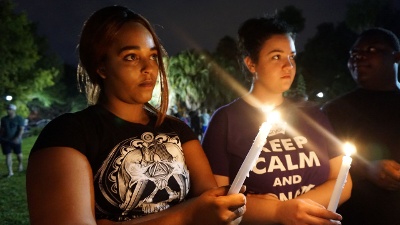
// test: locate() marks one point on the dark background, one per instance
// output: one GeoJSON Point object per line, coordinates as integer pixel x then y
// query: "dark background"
{"type": "Point", "coordinates": [180, 24]}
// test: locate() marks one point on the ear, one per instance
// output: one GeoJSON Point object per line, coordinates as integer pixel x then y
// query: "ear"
{"type": "Point", "coordinates": [101, 71]}
{"type": "Point", "coordinates": [397, 57]}
{"type": "Point", "coordinates": [249, 64]}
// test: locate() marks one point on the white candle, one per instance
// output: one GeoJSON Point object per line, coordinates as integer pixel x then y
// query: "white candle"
{"type": "Point", "coordinates": [253, 153]}
{"type": "Point", "coordinates": [342, 177]}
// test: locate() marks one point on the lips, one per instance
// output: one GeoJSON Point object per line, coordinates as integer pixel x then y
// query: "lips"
{"type": "Point", "coordinates": [360, 66]}
{"type": "Point", "coordinates": [147, 84]}
{"type": "Point", "coordinates": [286, 76]}
{"type": "Point", "coordinates": [360, 71]}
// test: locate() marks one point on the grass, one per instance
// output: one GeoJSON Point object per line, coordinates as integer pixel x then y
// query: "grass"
{"type": "Point", "coordinates": [13, 204]}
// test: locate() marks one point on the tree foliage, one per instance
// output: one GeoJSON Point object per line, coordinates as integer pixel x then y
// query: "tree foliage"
{"type": "Point", "coordinates": [227, 74]}
{"type": "Point", "coordinates": [188, 74]}
{"type": "Point", "coordinates": [373, 13]}
{"type": "Point", "coordinates": [199, 79]}
{"type": "Point", "coordinates": [25, 71]}
{"type": "Point", "coordinates": [293, 16]}
{"type": "Point", "coordinates": [323, 62]}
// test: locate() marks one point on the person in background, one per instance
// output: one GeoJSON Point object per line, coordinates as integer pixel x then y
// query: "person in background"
{"type": "Point", "coordinates": [121, 160]}
{"type": "Point", "coordinates": [11, 131]}
{"type": "Point", "coordinates": [204, 120]}
{"type": "Point", "coordinates": [175, 111]}
{"type": "Point", "coordinates": [369, 116]}
{"type": "Point", "coordinates": [195, 122]}
{"type": "Point", "coordinates": [185, 117]}
{"type": "Point", "coordinates": [294, 175]}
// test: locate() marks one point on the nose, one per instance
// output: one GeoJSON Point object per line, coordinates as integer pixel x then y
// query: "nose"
{"type": "Point", "coordinates": [148, 66]}
{"type": "Point", "coordinates": [289, 63]}
{"type": "Point", "coordinates": [357, 55]}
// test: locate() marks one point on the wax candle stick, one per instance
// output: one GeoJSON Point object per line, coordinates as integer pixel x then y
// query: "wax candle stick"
{"type": "Point", "coordinates": [341, 178]}
{"type": "Point", "coordinates": [253, 153]}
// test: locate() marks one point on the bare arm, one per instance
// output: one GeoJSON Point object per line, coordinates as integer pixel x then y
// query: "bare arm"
{"type": "Point", "coordinates": [201, 176]}
{"type": "Point", "coordinates": [59, 184]}
{"type": "Point", "coordinates": [322, 193]}
{"type": "Point", "coordinates": [19, 135]}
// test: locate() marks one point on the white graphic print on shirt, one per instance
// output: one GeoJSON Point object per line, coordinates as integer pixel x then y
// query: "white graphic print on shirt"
{"type": "Point", "coordinates": [138, 172]}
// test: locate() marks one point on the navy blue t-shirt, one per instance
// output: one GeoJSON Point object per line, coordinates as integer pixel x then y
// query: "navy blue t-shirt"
{"type": "Point", "coordinates": [295, 158]}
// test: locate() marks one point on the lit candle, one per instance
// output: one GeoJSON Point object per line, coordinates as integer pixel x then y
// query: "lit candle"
{"type": "Point", "coordinates": [253, 153]}
{"type": "Point", "coordinates": [342, 177]}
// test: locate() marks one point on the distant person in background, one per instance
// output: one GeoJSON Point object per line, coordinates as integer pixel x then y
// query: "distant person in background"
{"type": "Point", "coordinates": [195, 122]}
{"type": "Point", "coordinates": [185, 117]}
{"type": "Point", "coordinates": [204, 120]}
{"type": "Point", "coordinates": [11, 131]}
{"type": "Point", "coordinates": [175, 112]}
{"type": "Point", "coordinates": [369, 116]}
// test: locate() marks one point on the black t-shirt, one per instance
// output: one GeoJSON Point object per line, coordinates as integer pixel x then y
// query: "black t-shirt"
{"type": "Point", "coordinates": [371, 120]}
{"type": "Point", "coordinates": [138, 169]}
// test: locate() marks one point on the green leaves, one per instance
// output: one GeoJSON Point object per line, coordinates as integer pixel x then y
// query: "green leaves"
{"type": "Point", "coordinates": [188, 77]}
{"type": "Point", "coordinates": [25, 70]}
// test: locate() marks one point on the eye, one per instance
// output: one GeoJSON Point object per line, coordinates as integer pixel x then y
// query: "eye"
{"type": "Point", "coordinates": [292, 57]}
{"type": "Point", "coordinates": [371, 49]}
{"type": "Point", "coordinates": [276, 57]}
{"type": "Point", "coordinates": [131, 57]}
{"type": "Point", "coordinates": [154, 57]}
{"type": "Point", "coordinates": [352, 53]}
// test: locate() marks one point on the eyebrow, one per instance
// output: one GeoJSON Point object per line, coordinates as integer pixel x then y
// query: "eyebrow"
{"type": "Point", "coordinates": [133, 47]}
{"type": "Point", "coordinates": [279, 51]}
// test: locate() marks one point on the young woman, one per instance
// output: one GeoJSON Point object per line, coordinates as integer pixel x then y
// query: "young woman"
{"type": "Point", "coordinates": [122, 161]}
{"type": "Point", "coordinates": [293, 178]}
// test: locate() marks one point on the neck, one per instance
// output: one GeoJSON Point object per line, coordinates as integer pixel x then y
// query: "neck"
{"type": "Point", "coordinates": [258, 99]}
{"type": "Point", "coordinates": [134, 113]}
{"type": "Point", "coordinates": [266, 97]}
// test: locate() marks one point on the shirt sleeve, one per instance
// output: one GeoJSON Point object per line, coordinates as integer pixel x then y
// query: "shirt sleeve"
{"type": "Point", "coordinates": [333, 142]}
{"type": "Point", "coordinates": [215, 143]}
{"type": "Point", "coordinates": [184, 132]}
{"type": "Point", "coordinates": [21, 122]}
{"type": "Point", "coordinates": [63, 131]}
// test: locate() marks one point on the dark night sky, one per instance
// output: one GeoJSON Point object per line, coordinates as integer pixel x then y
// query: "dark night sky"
{"type": "Point", "coordinates": [181, 24]}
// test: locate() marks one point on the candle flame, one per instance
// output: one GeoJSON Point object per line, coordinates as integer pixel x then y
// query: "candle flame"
{"type": "Point", "coordinates": [274, 116]}
{"type": "Point", "coordinates": [349, 148]}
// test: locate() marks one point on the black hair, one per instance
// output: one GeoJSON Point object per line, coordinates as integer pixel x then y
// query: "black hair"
{"type": "Point", "coordinates": [387, 36]}
{"type": "Point", "coordinates": [254, 32]}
